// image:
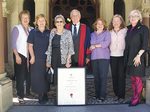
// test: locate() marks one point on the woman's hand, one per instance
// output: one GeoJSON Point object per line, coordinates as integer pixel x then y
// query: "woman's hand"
{"type": "Point", "coordinates": [18, 59]}
{"type": "Point", "coordinates": [87, 60]}
{"type": "Point", "coordinates": [32, 60]}
{"type": "Point", "coordinates": [98, 45]}
{"type": "Point", "coordinates": [54, 30]}
{"type": "Point", "coordinates": [92, 47]}
{"type": "Point", "coordinates": [48, 65]}
{"type": "Point", "coordinates": [137, 61]}
{"type": "Point", "coordinates": [69, 60]}
{"type": "Point", "coordinates": [68, 65]}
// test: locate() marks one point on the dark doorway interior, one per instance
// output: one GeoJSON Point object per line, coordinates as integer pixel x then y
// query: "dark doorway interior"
{"type": "Point", "coordinates": [89, 9]}
{"type": "Point", "coordinates": [119, 8]}
{"type": "Point", "coordinates": [30, 6]}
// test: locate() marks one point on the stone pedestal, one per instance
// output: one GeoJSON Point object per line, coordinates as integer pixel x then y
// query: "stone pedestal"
{"type": "Point", "coordinates": [148, 91]}
{"type": "Point", "coordinates": [5, 83]}
{"type": "Point", "coordinates": [6, 94]}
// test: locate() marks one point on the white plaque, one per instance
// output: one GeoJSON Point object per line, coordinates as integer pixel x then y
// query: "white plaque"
{"type": "Point", "coordinates": [71, 86]}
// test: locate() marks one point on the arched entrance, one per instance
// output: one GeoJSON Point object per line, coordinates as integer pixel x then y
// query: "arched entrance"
{"type": "Point", "coordinates": [30, 6]}
{"type": "Point", "coordinates": [119, 8]}
{"type": "Point", "coordinates": [89, 9]}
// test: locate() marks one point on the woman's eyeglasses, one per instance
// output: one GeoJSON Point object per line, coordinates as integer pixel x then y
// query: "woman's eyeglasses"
{"type": "Point", "coordinates": [134, 16]}
{"type": "Point", "coordinates": [59, 21]}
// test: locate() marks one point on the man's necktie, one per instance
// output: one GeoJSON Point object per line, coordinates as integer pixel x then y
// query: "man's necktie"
{"type": "Point", "coordinates": [75, 30]}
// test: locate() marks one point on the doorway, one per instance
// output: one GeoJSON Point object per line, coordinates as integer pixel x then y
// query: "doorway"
{"type": "Point", "coordinates": [30, 6]}
{"type": "Point", "coordinates": [119, 8]}
{"type": "Point", "coordinates": [89, 10]}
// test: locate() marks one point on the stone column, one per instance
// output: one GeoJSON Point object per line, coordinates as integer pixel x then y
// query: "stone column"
{"type": "Point", "coordinates": [106, 9]}
{"type": "Point", "coordinates": [41, 6]}
{"type": "Point", "coordinates": [146, 21]}
{"type": "Point", "coordinates": [13, 9]}
{"type": "Point", "coordinates": [148, 91]}
{"type": "Point", "coordinates": [146, 12]}
{"type": "Point", "coordinates": [2, 68]}
{"type": "Point", "coordinates": [128, 8]}
{"type": "Point", "coordinates": [5, 31]}
{"type": "Point", "coordinates": [5, 83]}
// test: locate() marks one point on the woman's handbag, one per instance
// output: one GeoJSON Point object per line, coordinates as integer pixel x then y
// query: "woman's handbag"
{"type": "Point", "coordinates": [50, 75]}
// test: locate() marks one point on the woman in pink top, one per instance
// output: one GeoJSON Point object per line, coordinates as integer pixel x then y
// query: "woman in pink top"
{"type": "Point", "coordinates": [118, 32]}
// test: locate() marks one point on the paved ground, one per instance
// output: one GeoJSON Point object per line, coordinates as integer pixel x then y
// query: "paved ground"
{"type": "Point", "coordinates": [89, 108]}
{"type": "Point", "coordinates": [90, 93]}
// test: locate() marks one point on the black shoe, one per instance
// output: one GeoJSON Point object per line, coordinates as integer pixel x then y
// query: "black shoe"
{"type": "Point", "coordinates": [21, 100]}
{"type": "Point", "coordinates": [102, 99]}
{"type": "Point", "coordinates": [29, 95]}
{"type": "Point", "coordinates": [45, 97]}
{"type": "Point", "coordinates": [42, 102]}
{"type": "Point", "coordinates": [131, 105]}
{"type": "Point", "coordinates": [115, 99]}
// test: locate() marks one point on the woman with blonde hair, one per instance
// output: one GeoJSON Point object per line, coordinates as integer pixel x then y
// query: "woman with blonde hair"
{"type": "Point", "coordinates": [37, 44]}
{"type": "Point", "coordinates": [20, 54]}
{"type": "Point", "coordinates": [118, 32]}
{"type": "Point", "coordinates": [100, 55]}
{"type": "Point", "coordinates": [136, 44]}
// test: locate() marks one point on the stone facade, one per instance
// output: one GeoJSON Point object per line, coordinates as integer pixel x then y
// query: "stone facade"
{"type": "Point", "coordinates": [11, 9]}
{"type": "Point", "coordinates": [5, 83]}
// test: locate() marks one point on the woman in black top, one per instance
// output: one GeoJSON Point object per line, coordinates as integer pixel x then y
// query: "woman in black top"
{"type": "Point", "coordinates": [136, 44]}
{"type": "Point", "coordinates": [60, 47]}
{"type": "Point", "coordinates": [37, 43]}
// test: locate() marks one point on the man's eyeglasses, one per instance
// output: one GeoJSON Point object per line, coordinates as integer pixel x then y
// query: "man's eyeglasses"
{"type": "Point", "coordinates": [59, 21]}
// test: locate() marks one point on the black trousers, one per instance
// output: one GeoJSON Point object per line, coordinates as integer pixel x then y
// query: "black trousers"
{"type": "Point", "coordinates": [118, 76]}
{"type": "Point", "coordinates": [28, 81]}
{"type": "Point", "coordinates": [21, 74]}
{"type": "Point", "coordinates": [74, 63]}
{"type": "Point", "coordinates": [100, 72]}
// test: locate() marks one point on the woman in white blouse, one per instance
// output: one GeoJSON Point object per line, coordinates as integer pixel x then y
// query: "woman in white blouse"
{"type": "Point", "coordinates": [118, 32]}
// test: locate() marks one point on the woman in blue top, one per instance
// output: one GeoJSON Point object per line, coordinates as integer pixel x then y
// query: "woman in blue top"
{"type": "Point", "coordinates": [37, 43]}
{"type": "Point", "coordinates": [100, 55]}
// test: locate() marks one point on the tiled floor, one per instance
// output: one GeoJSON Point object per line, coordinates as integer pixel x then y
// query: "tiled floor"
{"type": "Point", "coordinates": [90, 93]}
{"type": "Point", "coordinates": [88, 108]}
{"type": "Point", "coordinates": [32, 105]}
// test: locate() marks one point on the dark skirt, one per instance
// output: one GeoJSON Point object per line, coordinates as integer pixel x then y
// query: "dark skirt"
{"type": "Point", "coordinates": [136, 71]}
{"type": "Point", "coordinates": [39, 84]}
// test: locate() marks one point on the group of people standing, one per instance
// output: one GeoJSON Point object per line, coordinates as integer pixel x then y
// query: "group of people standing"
{"type": "Point", "coordinates": [72, 45]}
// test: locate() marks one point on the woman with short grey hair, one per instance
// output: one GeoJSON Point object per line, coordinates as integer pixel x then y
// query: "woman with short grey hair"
{"type": "Point", "coordinates": [60, 16]}
{"type": "Point", "coordinates": [136, 13]}
{"type": "Point", "coordinates": [60, 47]}
{"type": "Point", "coordinates": [136, 45]}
